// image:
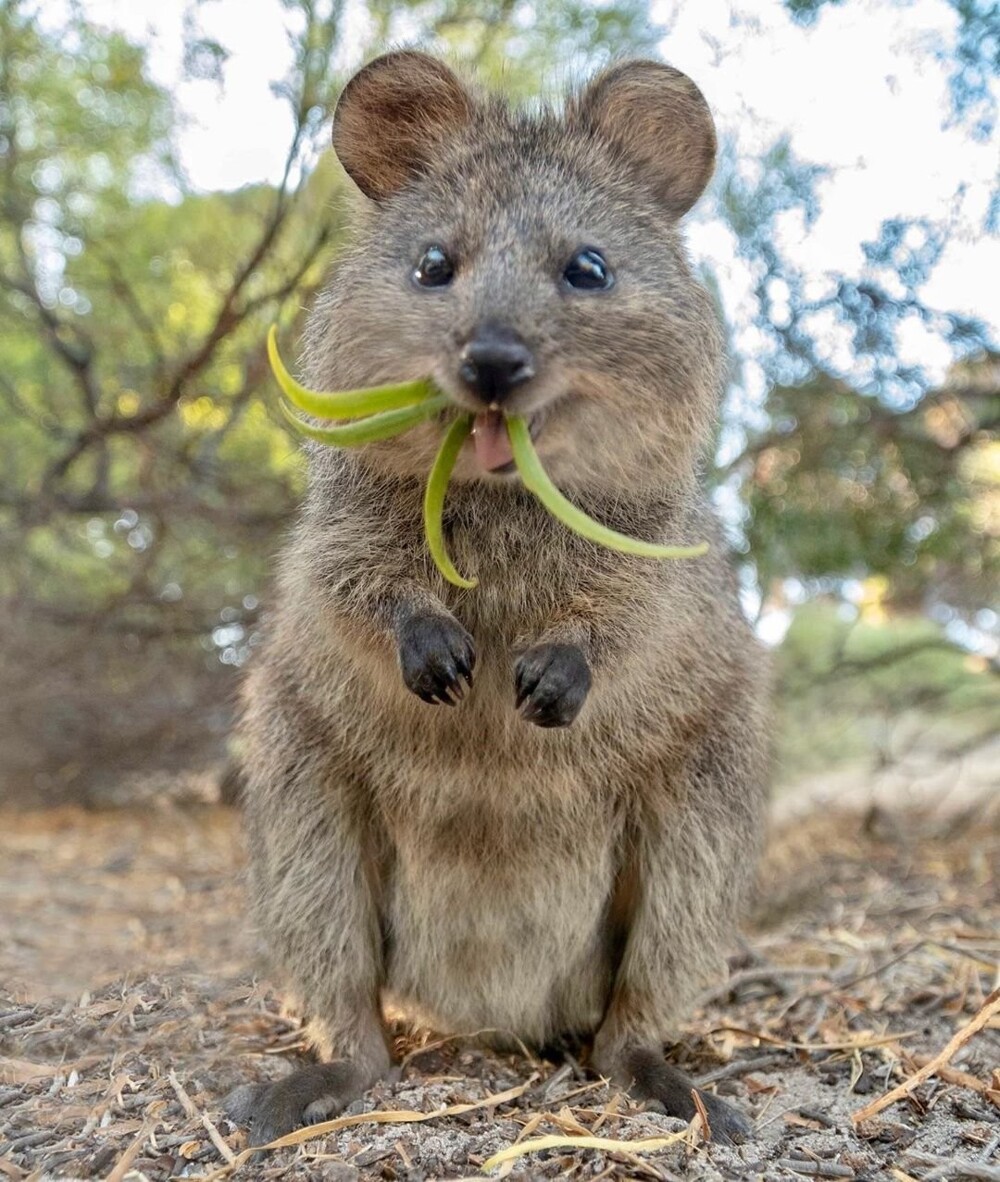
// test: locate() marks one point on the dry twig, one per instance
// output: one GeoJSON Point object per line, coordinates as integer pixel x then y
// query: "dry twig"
{"type": "Point", "coordinates": [961, 1079]}
{"type": "Point", "coordinates": [124, 1163]}
{"type": "Point", "coordinates": [653, 1145]}
{"type": "Point", "coordinates": [989, 1009]}
{"type": "Point", "coordinates": [699, 1103]}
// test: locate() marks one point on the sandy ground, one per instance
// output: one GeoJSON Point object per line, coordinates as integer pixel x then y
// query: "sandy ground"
{"type": "Point", "coordinates": [877, 937]}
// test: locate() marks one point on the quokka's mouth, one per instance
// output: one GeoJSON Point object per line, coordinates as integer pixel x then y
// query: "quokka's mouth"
{"type": "Point", "coordinates": [491, 443]}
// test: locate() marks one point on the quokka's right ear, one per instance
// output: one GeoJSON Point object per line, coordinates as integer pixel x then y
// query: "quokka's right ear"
{"type": "Point", "coordinates": [393, 115]}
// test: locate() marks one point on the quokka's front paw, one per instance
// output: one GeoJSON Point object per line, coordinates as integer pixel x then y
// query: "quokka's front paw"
{"type": "Point", "coordinates": [437, 657]}
{"type": "Point", "coordinates": [551, 683]}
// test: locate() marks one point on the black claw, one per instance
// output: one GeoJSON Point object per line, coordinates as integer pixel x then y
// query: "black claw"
{"type": "Point", "coordinates": [435, 654]}
{"type": "Point", "coordinates": [554, 680]}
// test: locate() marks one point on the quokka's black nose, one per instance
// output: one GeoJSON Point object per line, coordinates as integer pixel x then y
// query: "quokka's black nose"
{"type": "Point", "coordinates": [494, 361]}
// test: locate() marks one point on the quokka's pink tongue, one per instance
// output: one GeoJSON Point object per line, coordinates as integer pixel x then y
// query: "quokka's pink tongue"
{"type": "Point", "coordinates": [489, 437]}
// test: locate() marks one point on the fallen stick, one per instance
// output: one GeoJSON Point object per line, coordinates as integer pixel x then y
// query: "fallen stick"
{"type": "Point", "coordinates": [124, 1163]}
{"type": "Point", "coordinates": [217, 1140]}
{"type": "Point", "coordinates": [864, 1042]}
{"type": "Point", "coordinates": [961, 1079]}
{"type": "Point", "coordinates": [603, 1144]}
{"type": "Point", "coordinates": [989, 1009]}
{"type": "Point", "coordinates": [189, 1106]}
{"type": "Point", "coordinates": [699, 1103]}
{"type": "Point", "coordinates": [955, 1167]}
{"type": "Point", "coordinates": [191, 1109]}
{"type": "Point", "coordinates": [815, 1169]}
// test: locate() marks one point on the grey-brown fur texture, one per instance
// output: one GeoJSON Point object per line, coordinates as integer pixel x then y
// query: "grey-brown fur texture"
{"type": "Point", "coordinates": [484, 871]}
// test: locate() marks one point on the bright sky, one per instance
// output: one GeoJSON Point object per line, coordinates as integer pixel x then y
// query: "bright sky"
{"type": "Point", "coordinates": [859, 92]}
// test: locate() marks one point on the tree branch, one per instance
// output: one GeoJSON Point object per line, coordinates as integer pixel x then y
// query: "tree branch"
{"type": "Point", "coordinates": [78, 361]}
{"type": "Point", "coordinates": [227, 320]}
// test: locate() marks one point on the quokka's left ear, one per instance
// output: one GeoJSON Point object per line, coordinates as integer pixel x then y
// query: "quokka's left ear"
{"type": "Point", "coordinates": [659, 121]}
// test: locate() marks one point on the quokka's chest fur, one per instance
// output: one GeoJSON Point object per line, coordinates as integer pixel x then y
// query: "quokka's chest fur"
{"type": "Point", "coordinates": [507, 946]}
{"type": "Point", "coordinates": [497, 896]}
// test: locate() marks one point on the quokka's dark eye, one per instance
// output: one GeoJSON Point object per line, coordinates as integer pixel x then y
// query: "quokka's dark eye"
{"type": "Point", "coordinates": [588, 270]}
{"type": "Point", "coordinates": [435, 269]}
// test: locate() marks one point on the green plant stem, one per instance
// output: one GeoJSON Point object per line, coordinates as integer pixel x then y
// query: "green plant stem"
{"type": "Point", "coordinates": [370, 429]}
{"type": "Point", "coordinates": [346, 404]}
{"type": "Point", "coordinates": [537, 481]}
{"type": "Point", "coordinates": [437, 486]}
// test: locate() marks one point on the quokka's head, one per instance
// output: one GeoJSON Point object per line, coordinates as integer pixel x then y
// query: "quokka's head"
{"type": "Point", "coordinates": [531, 264]}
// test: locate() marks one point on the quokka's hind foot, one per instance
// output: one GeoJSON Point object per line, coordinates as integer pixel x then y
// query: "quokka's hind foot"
{"type": "Point", "coordinates": [305, 1097]}
{"type": "Point", "coordinates": [649, 1077]}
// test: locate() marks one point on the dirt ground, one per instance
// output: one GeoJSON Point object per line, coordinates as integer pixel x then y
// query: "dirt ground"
{"type": "Point", "coordinates": [876, 939]}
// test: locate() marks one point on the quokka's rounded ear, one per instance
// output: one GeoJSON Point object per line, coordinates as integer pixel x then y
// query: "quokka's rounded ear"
{"type": "Point", "coordinates": [659, 120]}
{"type": "Point", "coordinates": [392, 116]}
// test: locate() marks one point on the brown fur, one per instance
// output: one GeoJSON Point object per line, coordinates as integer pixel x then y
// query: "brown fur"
{"type": "Point", "coordinates": [484, 871]}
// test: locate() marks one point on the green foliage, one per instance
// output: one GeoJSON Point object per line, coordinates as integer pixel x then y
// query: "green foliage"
{"type": "Point", "coordinates": [850, 690]}
{"type": "Point", "coordinates": [145, 480]}
{"type": "Point", "coordinates": [525, 46]}
{"type": "Point", "coordinates": [131, 340]}
{"type": "Point", "coordinates": [841, 486]}
{"type": "Point", "coordinates": [861, 468]}
{"type": "Point", "coordinates": [81, 128]}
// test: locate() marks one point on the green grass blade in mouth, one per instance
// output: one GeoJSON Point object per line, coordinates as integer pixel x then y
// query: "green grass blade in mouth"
{"type": "Point", "coordinates": [347, 404]}
{"type": "Point", "coordinates": [437, 486]}
{"type": "Point", "coordinates": [537, 481]}
{"type": "Point", "coordinates": [370, 429]}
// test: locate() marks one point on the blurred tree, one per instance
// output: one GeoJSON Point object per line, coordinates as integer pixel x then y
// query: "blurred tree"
{"type": "Point", "coordinates": [885, 689]}
{"type": "Point", "coordinates": [841, 485]}
{"type": "Point", "coordinates": [528, 47]}
{"type": "Point", "coordinates": [853, 464]}
{"type": "Point", "coordinates": [857, 477]}
{"type": "Point", "coordinates": [144, 481]}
